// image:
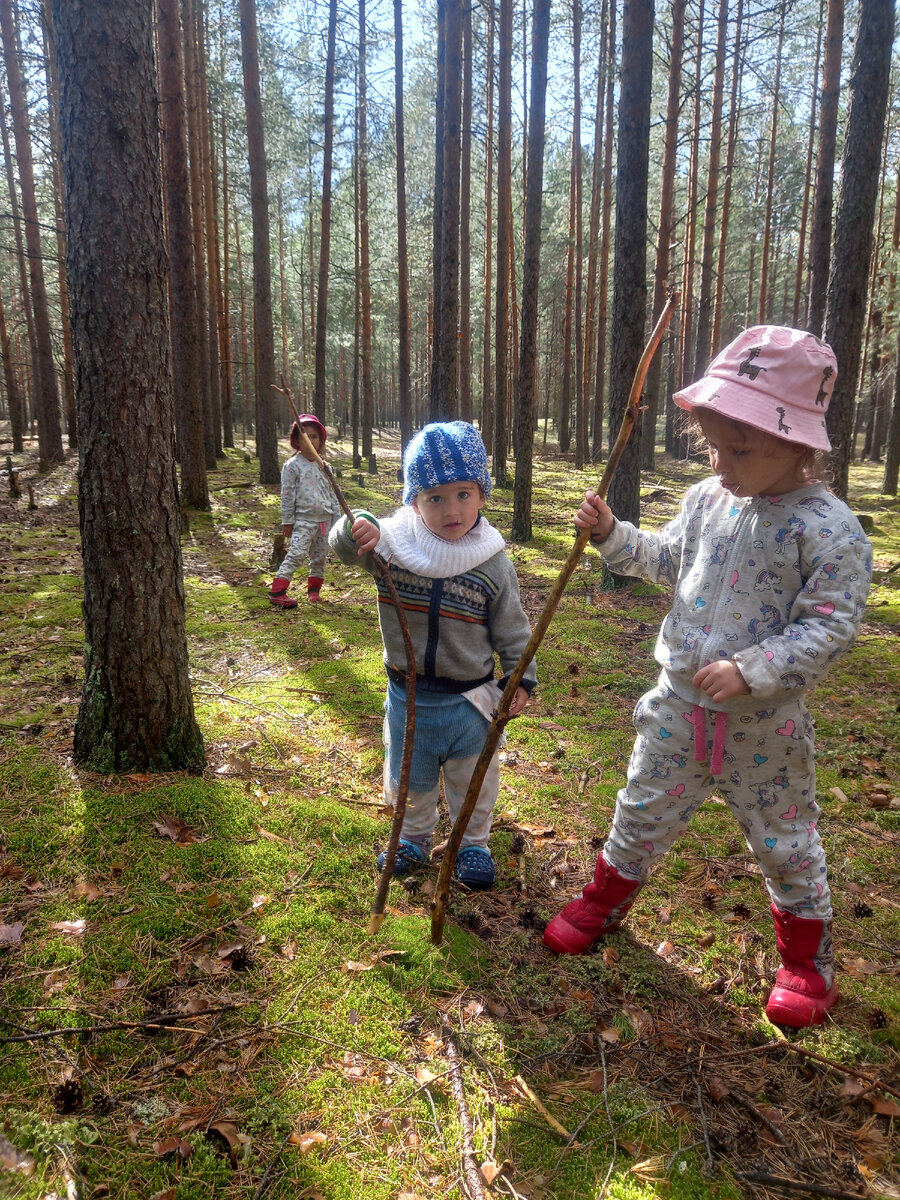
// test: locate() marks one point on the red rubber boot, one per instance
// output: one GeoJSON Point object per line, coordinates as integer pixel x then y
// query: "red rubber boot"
{"type": "Point", "coordinates": [600, 909]}
{"type": "Point", "coordinates": [313, 584]}
{"type": "Point", "coordinates": [805, 987]}
{"type": "Point", "coordinates": [278, 593]}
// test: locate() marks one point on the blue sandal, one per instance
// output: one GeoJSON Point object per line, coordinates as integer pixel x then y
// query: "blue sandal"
{"type": "Point", "coordinates": [408, 857]}
{"type": "Point", "coordinates": [475, 868]}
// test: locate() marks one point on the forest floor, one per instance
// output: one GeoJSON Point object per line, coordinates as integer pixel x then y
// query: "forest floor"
{"type": "Point", "coordinates": [191, 1006]}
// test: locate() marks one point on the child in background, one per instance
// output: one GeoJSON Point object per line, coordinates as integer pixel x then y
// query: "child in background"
{"type": "Point", "coordinates": [461, 598]}
{"type": "Point", "coordinates": [308, 508]}
{"type": "Point", "coordinates": [771, 573]}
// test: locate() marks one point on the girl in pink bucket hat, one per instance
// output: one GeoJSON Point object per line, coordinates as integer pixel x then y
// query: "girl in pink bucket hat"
{"type": "Point", "coordinates": [770, 573]}
{"type": "Point", "coordinates": [308, 510]}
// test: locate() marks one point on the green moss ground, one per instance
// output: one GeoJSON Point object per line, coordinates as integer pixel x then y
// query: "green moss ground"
{"type": "Point", "coordinates": [320, 1060]}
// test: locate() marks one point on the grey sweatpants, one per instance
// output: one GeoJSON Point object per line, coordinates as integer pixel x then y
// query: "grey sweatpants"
{"type": "Point", "coordinates": [421, 816]}
{"type": "Point", "coordinates": [767, 777]}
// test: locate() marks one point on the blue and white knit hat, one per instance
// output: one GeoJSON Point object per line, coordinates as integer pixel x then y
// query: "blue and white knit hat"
{"type": "Point", "coordinates": [445, 452]}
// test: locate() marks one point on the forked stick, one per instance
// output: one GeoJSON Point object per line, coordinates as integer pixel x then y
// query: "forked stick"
{"type": "Point", "coordinates": [501, 716]}
{"type": "Point", "coordinates": [384, 882]}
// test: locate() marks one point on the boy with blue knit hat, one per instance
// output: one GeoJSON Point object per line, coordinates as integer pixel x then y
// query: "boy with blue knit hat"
{"type": "Point", "coordinates": [461, 599]}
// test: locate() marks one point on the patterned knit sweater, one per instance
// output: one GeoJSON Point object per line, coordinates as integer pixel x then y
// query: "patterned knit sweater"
{"type": "Point", "coordinates": [459, 620]}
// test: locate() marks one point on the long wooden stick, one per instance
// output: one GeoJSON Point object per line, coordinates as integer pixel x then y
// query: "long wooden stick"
{"type": "Point", "coordinates": [384, 881]}
{"type": "Point", "coordinates": [501, 717]}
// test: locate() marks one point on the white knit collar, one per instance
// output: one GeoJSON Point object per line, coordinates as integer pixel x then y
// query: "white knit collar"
{"type": "Point", "coordinates": [407, 541]}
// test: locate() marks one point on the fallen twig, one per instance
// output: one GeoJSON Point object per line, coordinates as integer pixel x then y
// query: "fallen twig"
{"type": "Point", "coordinates": [797, 1185]}
{"type": "Point", "coordinates": [501, 716]}
{"type": "Point", "coordinates": [751, 1108]}
{"type": "Point", "coordinates": [162, 1021]}
{"type": "Point", "coordinates": [830, 1062]}
{"type": "Point", "coordinates": [266, 1179]}
{"type": "Point", "coordinates": [474, 1180]}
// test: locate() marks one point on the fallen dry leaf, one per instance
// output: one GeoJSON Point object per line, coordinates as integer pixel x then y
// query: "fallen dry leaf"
{"type": "Point", "coordinates": [884, 1107]}
{"type": "Point", "coordinates": [12, 1159]}
{"type": "Point", "coordinates": [76, 928]}
{"type": "Point", "coordinates": [307, 1141]}
{"type": "Point", "coordinates": [610, 1035]}
{"type": "Point", "coordinates": [665, 949]}
{"type": "Point", "coordinates": [717, 1088]}
{"type": "Point", "coordinates": [490, 1171]}
{"type": "Point", "coordinates": [610, 956]}
{"type": "Point", "coordinates": [173, 1145]}
{"type": "Point", "coordinates": [642, 1023]}
{"type": "Point", "coordinates": [350, 965]}
{"type": "Point", "coordinates": [209, 966]}
{"type": "Point", "coordinates": [175, 829]}
{"type": "Point", "coordinates": [11, 935]}
{"type": "Point", "coordinates": [86, 891]}
{"type": "Point", "coordinates": [237, 1142]}
{"type": "Point", "coordinates": [424, 1076]}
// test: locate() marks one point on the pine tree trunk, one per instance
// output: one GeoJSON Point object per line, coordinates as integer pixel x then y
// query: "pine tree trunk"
{"type": "Point", "coordinates": [213, 278]}
{"type": "Point", "coordinates": [365, 287]}
{"type": "Point", "coordinates": [581, 449]}
{"type": "Point", "coordinates": [403, 364]}
{"type": "Point", "coordinates": [465, 210]}
{"type": "Point", "coordinates": [136, 711]}
{"type": "Point", "coordinates": [630, 272]}
{"type": "Point", "coordinates": [605, 227]}
{"type": "Point", "coordinates": [266, 438]}
{"type": "Point", "coordinates": [50, 447]}
{"type": "Point", "coordinates": [590, 303]}
{"type": "Point", "coordinates": [736, 70]}
{"type": "Point", "coordinates": [527, 378]}
{"type": "Point", "coordinates": [225, 315]}
{"type": "Point", "coordinates": [325, 219]}
{"type": "Point", "coordinates": [446, 396]}
{"type": "Point", "coordinates": [504, 234]}
{"type": "Point", "coordinates": [822, 223]}
{"type": "Point", "coordinates": [855, 218]}
{"type": "Point", "coordinates": [68, 372]}
{"type": "Point", "coordinates": [764, 305]}
{"type": "Point", "coordinates": [705, 307]}
{"type": "Point", "coordinates": [665, 229]}
{"type": "Point", "coordinates": [195, 170]}
{"type": "Point", "coordinates": [13, 394]}
{"type": "Point", "coordinates": [690, 223]}
{"type": "Point", "coordinates": [807, 177]}
{"type": "Point", "coordinates": [487, 407]}
{"type": "Point", "coordinates": [182, 279]}
{"type": "Point", "coordinates": [22, 264]}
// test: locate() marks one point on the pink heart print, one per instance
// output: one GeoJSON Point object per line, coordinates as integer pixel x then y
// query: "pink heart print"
{"type": "Point", "coordinates": [825, 609]}
{"type": "Point", "coordinates": [790, 814]}
{"type": "Point", "coordinates": [675, 791]}
{"type": "Point", "coordinates": [787, 729]}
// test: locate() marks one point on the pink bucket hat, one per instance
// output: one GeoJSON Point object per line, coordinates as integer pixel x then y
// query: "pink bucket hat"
{"type": "Point", "coordinates": [774, 378]}
{"type": "Point", "coordinates": [307, 419]}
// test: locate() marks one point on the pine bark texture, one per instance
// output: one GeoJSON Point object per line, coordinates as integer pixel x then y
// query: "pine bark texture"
{"type": "Point", "coordinates": [136, 711]}
{"type": "Point", "coordinates": [50, 447]}
{"type": "Point", "coordinates": [630, 269]}
{"type": "Point", "coordinates": [823, 199]}
{"type": "Point", "coordinates": [182, 281]}
{"type": "Point", "coordinates": [504, 237]}
{"type": "Point", "coordinates": [527, 381]}
{"type": "Point", "coordinates": [855, 220]}
{"type": "Point", "coordinates": [266, 440]}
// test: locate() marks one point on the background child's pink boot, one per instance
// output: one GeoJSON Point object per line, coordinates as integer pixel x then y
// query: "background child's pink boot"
{"type": "Point", "coordinates": [600, 909]}
{"type": "Point", "coordinates": [313, 586]}
{"type": "Point", "coordinates": [805, 987]}
{"type": "Point", "coordinates": [278, 593]}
